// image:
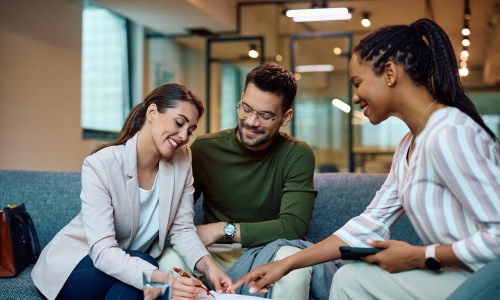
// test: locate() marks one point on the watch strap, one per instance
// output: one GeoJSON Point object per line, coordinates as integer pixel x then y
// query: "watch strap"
{"type": "Point", "coordinates": [431, 261]}
{"type": "Point", "coordinates": [430, 251]}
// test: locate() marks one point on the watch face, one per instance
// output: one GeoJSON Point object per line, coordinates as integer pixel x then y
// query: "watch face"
{"type": "Point", "coordinates": [229, 229]}
{"type": "Point", "coordinates": [432, 264]}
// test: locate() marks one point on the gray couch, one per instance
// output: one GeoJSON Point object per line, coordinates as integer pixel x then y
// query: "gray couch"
{"type": "Point", "coordinates": [52, 199]}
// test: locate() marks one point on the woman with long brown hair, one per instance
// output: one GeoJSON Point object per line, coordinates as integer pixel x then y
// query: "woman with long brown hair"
{"type": "Point", "coordinates": [136, 194]}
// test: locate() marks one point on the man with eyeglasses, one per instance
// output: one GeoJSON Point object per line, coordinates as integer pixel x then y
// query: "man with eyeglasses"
{"type": "Point", "coordinates": [257, 185]}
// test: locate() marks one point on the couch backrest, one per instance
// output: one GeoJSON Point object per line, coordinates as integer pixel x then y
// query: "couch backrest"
{"type": "Point", "coordinates": [342, 196]}
{"type": "Point", "coordinates": [51, 198]}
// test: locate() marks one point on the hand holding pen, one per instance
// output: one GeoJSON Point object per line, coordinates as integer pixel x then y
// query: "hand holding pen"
{"type": "Point", "coordinates": [186, 275]}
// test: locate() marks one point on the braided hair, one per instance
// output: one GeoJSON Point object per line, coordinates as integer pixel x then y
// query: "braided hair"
{"type": "Point", "coordinates": [430, 63]}
{"type": "Point", "coordinates": [165, 96]}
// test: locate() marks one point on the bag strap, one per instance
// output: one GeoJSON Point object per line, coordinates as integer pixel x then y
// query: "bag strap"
{"type": "Point", "coordinates": [29, 234]}
{"type": "Point", "coordinates": [36, 251]}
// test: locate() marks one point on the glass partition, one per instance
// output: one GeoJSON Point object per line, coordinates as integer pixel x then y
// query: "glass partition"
{"type": "Point", "coordinates": [322, 109]}
{"type": "Point", "coordinates": [228, 62]}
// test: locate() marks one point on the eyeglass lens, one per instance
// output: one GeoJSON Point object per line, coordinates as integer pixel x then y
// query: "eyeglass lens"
{"type": "Point", "coordinates": [245, 112]}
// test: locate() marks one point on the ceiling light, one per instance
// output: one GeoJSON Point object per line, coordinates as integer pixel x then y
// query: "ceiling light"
{"type": "Point", "coordinates": [341, 105]}
{"type": "Point", "coordinates": [316, 12]}
{"type": "Point", "coordinates": [464, 55]}
{"type": "Point", "coordinates": [314, 68]}
{"type": "Point", "coordinates": [319, 14]}
{"type": "Point", "coordinates": [466, 30]}
{"type": "Point", "coordinates": [337, 50]}
{"type": "Point", "coordinates": [465, 42]}
{"type": "Point", "coordinates": [463, 72]}
{"type": "Point", "coordinates": [366, 20]}
{"type": "Point", "coordinates": [347, 16]}
{"type": "Point", "coordinates": [253, 53]}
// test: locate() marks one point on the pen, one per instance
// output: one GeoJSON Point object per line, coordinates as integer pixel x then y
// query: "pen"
{"type": "Point", "coordinates": [184, 274]}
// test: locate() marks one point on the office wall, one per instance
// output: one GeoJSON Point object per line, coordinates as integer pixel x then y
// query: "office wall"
{"type": "Point", "coordinates": [40, 73]}
{"type": "Point", "coordinates": [40, 85]}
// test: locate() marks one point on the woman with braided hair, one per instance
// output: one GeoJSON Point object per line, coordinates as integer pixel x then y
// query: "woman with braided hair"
{"type": "Point", "coordinates": [445, 176]}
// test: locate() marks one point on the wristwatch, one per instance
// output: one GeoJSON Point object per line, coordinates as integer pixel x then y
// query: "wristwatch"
{"type": "Point", "coordinates": [229, 230]}
{"type": "Point", "coordinates": [431, 261]}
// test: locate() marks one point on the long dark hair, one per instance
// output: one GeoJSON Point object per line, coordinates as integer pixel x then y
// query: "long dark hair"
{"type": "Point", "coordinates": [431, 64]}
{"type": "Point", "coordinates": [165, 96]}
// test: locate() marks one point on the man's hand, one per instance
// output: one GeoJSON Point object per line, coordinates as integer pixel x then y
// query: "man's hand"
{"type": "Point", "coordinates": [210, 233]}
{"type": "Point", "coordinates": [261, 278]}
{"type": "Point", "coordinates": [397, 256]}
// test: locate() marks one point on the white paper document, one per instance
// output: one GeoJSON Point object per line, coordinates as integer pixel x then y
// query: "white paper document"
{"type": "Point", "coordinates": [226, 296]}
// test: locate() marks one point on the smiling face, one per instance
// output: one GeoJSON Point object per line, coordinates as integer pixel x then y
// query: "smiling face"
{"type": "Point", "coordinates": [172, 128]}
{"type": "Point", "coordinates": [371, 92]}
{"type": "Point", "coordinates": [251, 133]}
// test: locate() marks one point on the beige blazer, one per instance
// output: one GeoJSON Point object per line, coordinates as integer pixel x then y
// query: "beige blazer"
{"type": "Point", "coordinates": [109, 219]}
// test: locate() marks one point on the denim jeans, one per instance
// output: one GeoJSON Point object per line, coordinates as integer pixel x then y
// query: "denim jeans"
{"type": "Point", "coordinates": [87, 282]}
{"type": "Point", "coordinates": [483, 284]}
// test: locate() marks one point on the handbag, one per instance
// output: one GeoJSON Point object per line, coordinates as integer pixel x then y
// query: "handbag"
{"type": "Point", "coordinates": [19, 242]}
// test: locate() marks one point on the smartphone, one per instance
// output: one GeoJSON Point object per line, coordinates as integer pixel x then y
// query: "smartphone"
{"type": "Point", "coordinates": [355, 253]}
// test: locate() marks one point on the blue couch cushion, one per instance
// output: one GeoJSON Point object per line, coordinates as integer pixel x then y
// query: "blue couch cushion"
{"type": "Point", "coordinates": [51, 198]}
{"type": "Point", "coordinates": [342, 196]}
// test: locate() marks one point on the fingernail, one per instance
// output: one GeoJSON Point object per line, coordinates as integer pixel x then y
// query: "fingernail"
{"type": "Point", "coordinates": [251, 290]}
{"type": "Point", "coordinates": [369, 241]}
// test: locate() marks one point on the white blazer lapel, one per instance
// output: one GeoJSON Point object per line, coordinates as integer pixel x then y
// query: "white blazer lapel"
{"type": "Point", "coordinates": [166, 184]}
{"type": "Point", "coordinates": [132, 185]}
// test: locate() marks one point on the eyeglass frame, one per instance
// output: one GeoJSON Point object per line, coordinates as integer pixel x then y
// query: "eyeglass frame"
{"type": "Point", "coordinates": [257, 113]}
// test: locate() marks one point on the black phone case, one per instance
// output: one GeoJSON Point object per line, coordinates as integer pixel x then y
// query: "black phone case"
{"type": "Point", "coordinates": [355, 253]}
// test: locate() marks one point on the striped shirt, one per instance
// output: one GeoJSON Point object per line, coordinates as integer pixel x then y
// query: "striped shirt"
{"type": "Point", "coordinates": [450, 190]}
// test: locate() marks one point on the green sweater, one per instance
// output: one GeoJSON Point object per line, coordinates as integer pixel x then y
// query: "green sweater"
{"type": "Point", "coordinates": [269, 192]}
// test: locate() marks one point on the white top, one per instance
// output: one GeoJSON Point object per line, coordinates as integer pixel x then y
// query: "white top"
{"type": "Point", "coordinates": [450, 191]}
{"type": "Point", "coordinates": [109, 219]}
{"type": "Point", "coordinates": [149, 222]}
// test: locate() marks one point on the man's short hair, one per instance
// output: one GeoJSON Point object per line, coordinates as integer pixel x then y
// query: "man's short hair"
{"type": "Point", "coordinates": [275, 79]}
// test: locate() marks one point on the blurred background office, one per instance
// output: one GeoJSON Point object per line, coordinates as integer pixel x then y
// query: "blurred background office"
{"type": "Point", "coordinates": [71, 69]}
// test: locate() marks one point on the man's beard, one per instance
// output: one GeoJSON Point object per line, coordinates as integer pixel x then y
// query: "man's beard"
{"type": "Point", "coordinates": [254, 142]}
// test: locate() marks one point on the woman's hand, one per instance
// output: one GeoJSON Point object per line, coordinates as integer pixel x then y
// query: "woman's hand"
{"type": "Point", "coordinates": [261, 278]}
{"type": "Point", "coordinates": [397, 256]}
{"type": "Point", "coordinates": [219, 279]}
{"type": "Point", "coordinates": [187, 288]}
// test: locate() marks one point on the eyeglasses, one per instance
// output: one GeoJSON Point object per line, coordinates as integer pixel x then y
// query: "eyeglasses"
{"type": "Point", "coordinates": [264, 118]}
